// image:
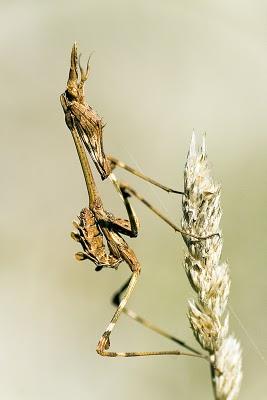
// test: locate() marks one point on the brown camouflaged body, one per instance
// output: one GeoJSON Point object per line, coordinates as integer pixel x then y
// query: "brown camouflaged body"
{"type": "Point", "coordinates": [96, 228]}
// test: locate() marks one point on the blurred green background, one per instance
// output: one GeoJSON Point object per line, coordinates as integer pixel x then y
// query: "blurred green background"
{"type": "Point", "coordinates": [159, 70]}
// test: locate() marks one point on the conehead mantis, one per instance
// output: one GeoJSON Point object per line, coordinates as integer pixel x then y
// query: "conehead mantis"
{"type": "Point", "coordinates": [98, 231]}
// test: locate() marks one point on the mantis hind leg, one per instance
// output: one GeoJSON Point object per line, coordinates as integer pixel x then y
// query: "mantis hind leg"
{"type": "Point", "coordinates": [104, 342]}
{"type": "Point", "coordinates": [116, 301]}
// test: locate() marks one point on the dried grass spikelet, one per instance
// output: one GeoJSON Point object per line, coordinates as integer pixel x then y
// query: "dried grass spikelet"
{"type": "Point", "coordinates": [209, 279]}
{"type": "Point", "coordinates": [228, 360]}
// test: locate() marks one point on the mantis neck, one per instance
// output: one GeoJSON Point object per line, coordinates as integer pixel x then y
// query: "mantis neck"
{"type": "Point", "coordinates": [88, 176]}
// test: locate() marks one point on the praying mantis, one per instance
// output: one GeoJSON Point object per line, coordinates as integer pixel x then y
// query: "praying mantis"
{"type": "Point", "coordinates": [98, 231]}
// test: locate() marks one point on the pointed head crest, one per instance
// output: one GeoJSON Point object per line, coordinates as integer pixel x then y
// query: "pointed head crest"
{"type": "Point", "coordinates": [72, 84]}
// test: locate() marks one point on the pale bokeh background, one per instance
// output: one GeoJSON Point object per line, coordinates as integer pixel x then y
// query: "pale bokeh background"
{"type": "Point", "coordinates": [159, 70]}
